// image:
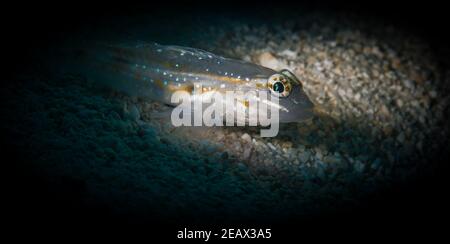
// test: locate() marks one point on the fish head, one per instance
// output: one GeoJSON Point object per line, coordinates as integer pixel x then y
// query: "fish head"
{"type": "Point", "coordinates": [294, 104]}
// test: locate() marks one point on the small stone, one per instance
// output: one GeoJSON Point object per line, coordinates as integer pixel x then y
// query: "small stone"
{"type": "Point", "coordinates": [433, 94]}
{"type": "Point", "coordinates": [289, 54]}
{"type": "Point", "coordinates": [358, 166]}
{"type": "Point", "coordinates": [220, 136]}
{"type": "Point", "coordinates": [224, 155]}
{"type": "Point", "coordinates": [301, 148]}
{"type": "Point", "coordinates": [341, 92]}
{"type": "Point", "coordinates": [331, 159]}
{"type": "Point", "coordinates": [246, 137]}
{"type": "Point", "coordinates": [271, 146]}
{"type": "Point", "coordinates": [376, 164]}
{"type": "Point", "coordinates": [268, 60]}
{"type": "Point", "coordinates": [396, 63]}
{"type": "Point", "coordinates": [247, 152]}
{"type": "Point", "coordinates": [232, 136]}
{"type": "Point", "coordinates": [237, 146]}
{"type": "Point", "coordinates": [303, 157]}
{"type": "Point", "coordinates": [247, 58]}
{"type": "Point", "coordinates": [286, 145]}
{"type": "Point", "coordinates": [409, 84]}
{"type": "Point", "coordinates": [384, 111]}
{"type": "Point", "coordinates": [401, 137]}
{"type": "Point", "coordinates": [133, 112]}
{"type": "Point", "coordinates": [319, 153]}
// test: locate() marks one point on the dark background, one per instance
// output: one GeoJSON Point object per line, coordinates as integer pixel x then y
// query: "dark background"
{"type": "Point", "coordinates": [418, 209]}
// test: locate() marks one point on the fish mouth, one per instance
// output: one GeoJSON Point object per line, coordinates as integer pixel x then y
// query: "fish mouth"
{"type": "Point", "coordinates": [296, 116]}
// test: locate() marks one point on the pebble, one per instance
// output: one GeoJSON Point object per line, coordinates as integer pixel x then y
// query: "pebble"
{"type": "Point", "coordinates": [301, 148]}
{"type": "Point", "coordinates": [219, 136]}
{"type": "Point", "coordinates": [289, 54]}
{"type": "Point", "coordinates": [319, 153]}
{"type": "Point", "coordinates": [359, 167]}
{"type": "Point", "coordinates": [271, 146]}
{"type": "Point", "coordinates": [331, 159]}
{"type": "Point", "coordinates": [303, 157]}
{"type": "Point", "coordinates": [246, 137]}
{"type": "Point", "coordinates": [247, 152]}
{"type": "Point", "coordinates": [401, 137]}
{"type": "Point", "coordinates": [268, 60]}
{"type": "Point", "coordinates": [133, 113]}
{"type": "Point", "coordinates": [376, 164]}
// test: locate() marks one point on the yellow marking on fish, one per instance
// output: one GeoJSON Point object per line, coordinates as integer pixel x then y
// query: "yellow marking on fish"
{"type": "Point", "coordinates": [261, 85]}
{"type": "Point", "coordinates": [167, 65]}
{"type": "Point", "coordinates": [186, 88]}
{"type": "Point", "coordinates": [225, 78]}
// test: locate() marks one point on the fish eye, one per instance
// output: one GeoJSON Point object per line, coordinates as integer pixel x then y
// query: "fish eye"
{"type": "Point", "coordinates": [279, 85]}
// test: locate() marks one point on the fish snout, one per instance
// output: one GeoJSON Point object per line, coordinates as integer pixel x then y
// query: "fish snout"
{"type": "Point", "coordinates": [298, 106]}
